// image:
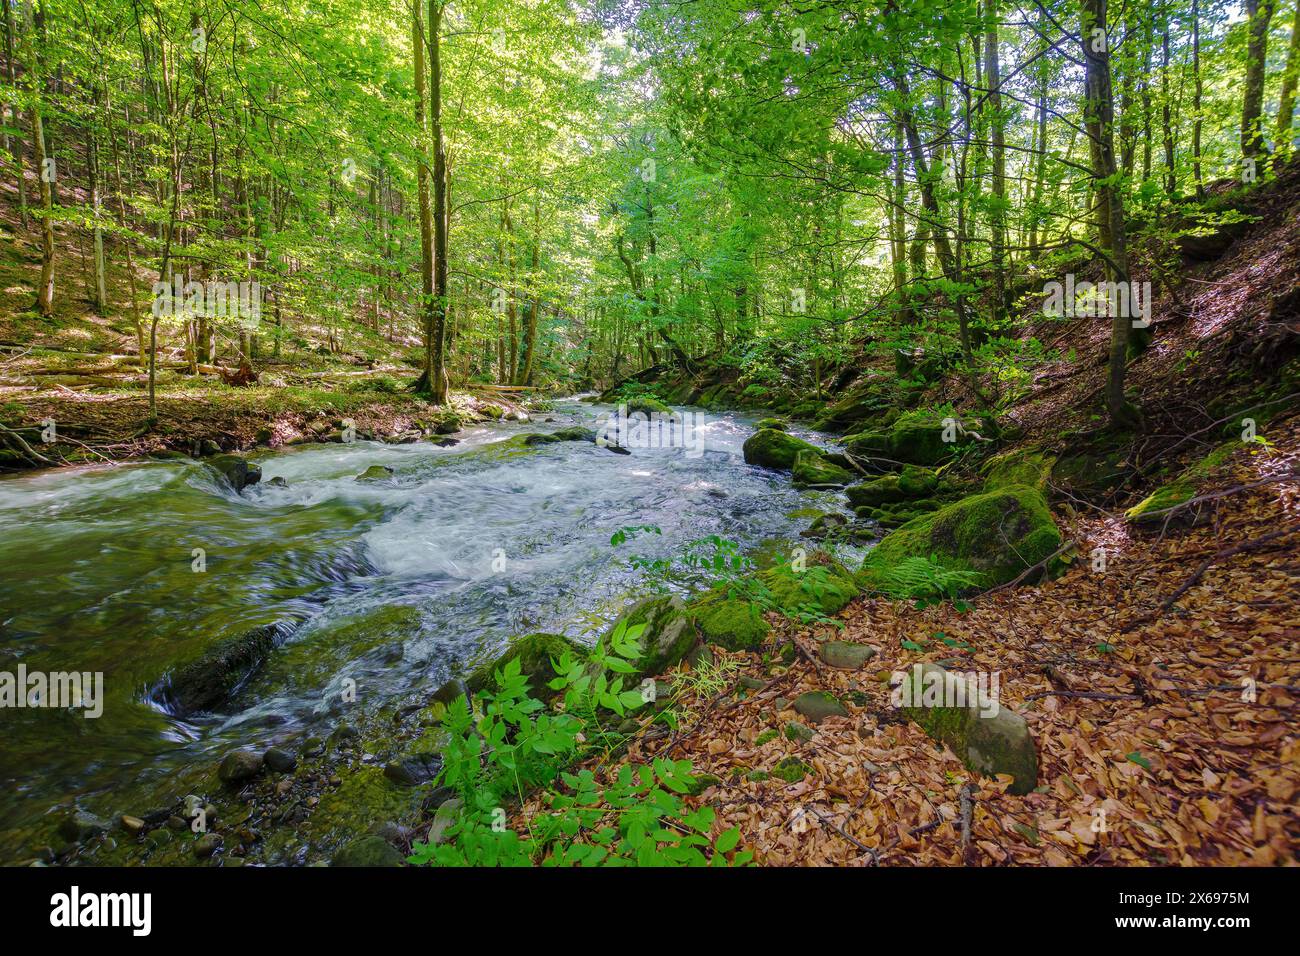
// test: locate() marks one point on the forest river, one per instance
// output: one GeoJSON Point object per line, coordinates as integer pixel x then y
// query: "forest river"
{"type": "Point", "coordinates": [395, 584]}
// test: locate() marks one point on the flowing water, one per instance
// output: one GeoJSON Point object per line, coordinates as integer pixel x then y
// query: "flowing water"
{"type": "Point", "coordinates": [393, 584]}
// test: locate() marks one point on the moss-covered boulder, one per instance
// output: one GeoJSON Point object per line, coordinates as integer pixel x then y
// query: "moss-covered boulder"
{"type": "Point", "coordinates": [776, 423]}
{"type": "Point", "coordinates": [376, 473]}
{"type": "Point", "coordinates": [534, 653]}
{"type": "Point", "coordinates": [771, 448]}
{"type": "Point", "coordinates": [1092, 467]}
{"type": "Point", "coordinates": [647, 405]}
{"type": "Point", "coordinates": [913, 481]}
{"type": "Point", "coordinates": [732, 616]}
{"type": "Point", "coordinates": [824, 585]}
{"type": "Point", "coordinates": [1155, 508]}
{"type": "Point", "coordinates": [866, 400]}
{"type": "Point", "coordinates": [812, 468]}
{"type": "Point", "coordinates": [987, 736]}
{"type": "Point", "coordinates": [993, 535]}
{"type": "Point", "coordinates": [867, 444]}
{"type": "Point", "coordinates": [667, 637]}
{"type": "Point", "coordinates": [1022, 467]}
{"type": "Point", "coordinates": [724, 618]}
{"type": "Point", "coordinates": [921, 440]}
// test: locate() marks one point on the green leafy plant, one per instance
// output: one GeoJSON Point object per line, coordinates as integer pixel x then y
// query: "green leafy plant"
{"type": "Point", "coordinates": [925, 579]}
{"type": "Point", "coordinates": [510, 744]}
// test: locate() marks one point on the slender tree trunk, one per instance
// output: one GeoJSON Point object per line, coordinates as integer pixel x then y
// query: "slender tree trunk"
{"type": "Point", "coordinates": [998, 215]}
{"type": "Point", "coordinates": [45, 169]}
{"type": "Point", "coordinates": [436, 368]}
{"type": "Point", "coordinates": [1100, 110]}
{"type": "Point", "coordinates": [1198, 89]}
{"type": "Point", "coordinates": [1252, 139]}
{"type": "Point", "coordinates": [1282, 135]}
{"type": "Point", "coordinates": [423, 384]}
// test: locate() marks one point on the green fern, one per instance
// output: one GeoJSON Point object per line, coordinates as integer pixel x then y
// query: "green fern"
{"type": "Point", "coordinates": [924, 578]}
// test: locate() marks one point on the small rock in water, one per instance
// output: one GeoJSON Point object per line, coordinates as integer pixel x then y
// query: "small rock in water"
{"type": "Point", "coordinates": [410, 770]}
{"type": "Point", "coordinates": [80, 825]}
{"type": "Point", "coordinates": [375, 473]}
{"type": "Point", "coordinates": [132, 824]}
{"type": "Point", "coordinates": [207, 845]}
{"type": "Point", "coordinates": [281, 761]}
{"type": "Point", "coordinates": [238, 472]}
{"type": "Point", "coordinates": [367, 851]}
{"type": "Point", "coordinates": [278, 482]}
{"type": "Point", "coordinates": [238, 766]}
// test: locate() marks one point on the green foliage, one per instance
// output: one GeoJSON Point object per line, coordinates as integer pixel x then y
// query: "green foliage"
{"type": "Point", "coordinates": [511, 745]}
{"type": "Point", "coordinates": [923, 578]}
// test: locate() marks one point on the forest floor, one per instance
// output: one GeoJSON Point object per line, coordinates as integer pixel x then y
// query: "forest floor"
{"type": "Point", "coordinates": [1162, 694]}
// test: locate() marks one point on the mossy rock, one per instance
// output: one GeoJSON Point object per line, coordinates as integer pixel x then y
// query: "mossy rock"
{"type": "Point", "coordinates": [816, 469]}
{"type": "Point", "coordinates": [1022, 467]}
{"type": "Point", "coordinates": [865, 401]}
{"type": "Point", "coordinates": [495, 412]}
{"type": "Point", "coordinates": [987, 743]}
{"type": "Point", "coordinates": [920, 441]}
{"type": "Point", "coordinates": [912, 482]}
{"type": "Point", "coordinates": [845, 655]}
{"type": "Point", "coordinates": [867, 444]}
{"type": "Point", "coordinates": [817, 705]}
{"type": "Point", "coordinates": [771, 448]}
{"type": "Point", "coordinates": [667, 638]}
{"type": "Point", "coordinates": [219, 672]}
{"type": "Point", "coordinates": [368, 851]}
{"type": "Point", "coordinates": [647, 406]}
{"type": "Point", "coordinates": [826, 585]}
{"type": "Point", "coordinates": [728, 620]}
{"type": "Point", "coordinates": [806, 409]}
{"type": "Point", "coordinates": [1154, 509]}
{"type": "Point", "coordinates": [995, 535]}
{"type": "Point", "coordinates": [534, 653]}
{"type": "Point", "coordinates": [776, 423]}
{"type": "Point", "coordinates": [376, 473]}
{"type": "Point", "coordinates": [1092, 468]}
{"type": "Point", "coordinates": [724, 616]}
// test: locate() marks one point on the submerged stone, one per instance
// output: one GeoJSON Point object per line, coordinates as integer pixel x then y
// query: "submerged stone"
{"type": "Point", "coordinates": [214, 676]}
{"type": "Point", "coordinates": [237, 472]}
{"type": "Point", "coordinates": [367, 851]}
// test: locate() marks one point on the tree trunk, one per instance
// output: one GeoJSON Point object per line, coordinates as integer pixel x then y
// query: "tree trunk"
{"type": "Point", "coordinates": [1252, 139]}
{"type": "Point", "coordinates": [1286, 103]}
{"type": "Point", "coordinates": [1100, 112]}
{"type": "Point", "coordinates": [45, 170]}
